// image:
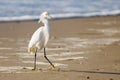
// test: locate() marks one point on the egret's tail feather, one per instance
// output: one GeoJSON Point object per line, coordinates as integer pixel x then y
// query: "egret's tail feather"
{"type": "Point", "coordinates": [31, 50]}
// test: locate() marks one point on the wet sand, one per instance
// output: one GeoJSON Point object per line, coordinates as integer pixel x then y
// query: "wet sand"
{"type": "Point", "coordinates": [83, 48]}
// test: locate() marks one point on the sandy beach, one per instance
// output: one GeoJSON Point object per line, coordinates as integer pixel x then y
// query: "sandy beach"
{"type": "Point", "coordinates": [83, 49]}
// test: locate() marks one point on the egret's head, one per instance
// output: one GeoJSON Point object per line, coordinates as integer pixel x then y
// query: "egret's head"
{"type": "Point", "coordinates": [43, 16]}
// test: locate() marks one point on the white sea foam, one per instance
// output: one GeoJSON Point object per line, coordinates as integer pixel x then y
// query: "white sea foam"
{"type": "Point", "coordinates": [5, 48]}
{"type": "Point", "coordinates": [3, 57]}
{"type": "Point", "coordinates": [66, 54]}
{"type": "Point", "coordinates": [18, 18]}
{"type": "Point", "coordinates": [69, 58]}
{"type": "Point", "coordinates": [10, 69]}
{"type": "Point", "coordinates": [25, 55]}
{"type": "Point", "coordinates": [102, 41]}
{"type": "Point", "coordinates": [88, 43]}
{"type": "Point", "coordinates": [108, 32]}
{"type": "Point", "coordinates": [44, 63]}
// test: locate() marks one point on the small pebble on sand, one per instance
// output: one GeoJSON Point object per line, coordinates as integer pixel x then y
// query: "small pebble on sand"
{"type": "Point", "coordinates": [88, 77]}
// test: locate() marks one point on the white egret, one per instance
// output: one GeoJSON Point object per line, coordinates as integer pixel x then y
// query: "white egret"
{"type": "Point", "coordinates": [40, 38]}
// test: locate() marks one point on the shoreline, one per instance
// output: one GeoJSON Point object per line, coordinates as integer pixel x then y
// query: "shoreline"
{"type": "Point", "coordinates": [55, 18]}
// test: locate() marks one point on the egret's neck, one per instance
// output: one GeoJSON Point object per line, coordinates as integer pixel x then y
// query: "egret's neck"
{"type": "Point", "coordinates": [46, 24]}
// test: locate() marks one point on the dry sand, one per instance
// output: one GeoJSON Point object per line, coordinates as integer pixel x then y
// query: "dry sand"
{"type": "Point", "coordinates": [84, 49]}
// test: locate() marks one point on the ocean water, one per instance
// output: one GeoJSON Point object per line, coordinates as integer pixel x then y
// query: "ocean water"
{"type": "Point", "coordinates": [12, 10]}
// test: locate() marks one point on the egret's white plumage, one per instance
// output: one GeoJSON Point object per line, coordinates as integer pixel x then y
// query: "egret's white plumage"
{"type": "Point", "coordinates": [40, 37]}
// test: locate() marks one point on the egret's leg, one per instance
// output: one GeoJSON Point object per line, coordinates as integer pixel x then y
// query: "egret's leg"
{"type": "Point", "coordinates": [35, 60]}
{"type": "Point", "coordinates": [48, 59]}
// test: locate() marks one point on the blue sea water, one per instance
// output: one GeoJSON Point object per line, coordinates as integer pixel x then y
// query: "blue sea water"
{"type": "Point", "coordinates": [31, 9]}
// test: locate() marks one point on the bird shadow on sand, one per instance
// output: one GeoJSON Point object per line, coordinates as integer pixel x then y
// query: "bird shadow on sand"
{"type": "Point", "coordinates": [94, 72]}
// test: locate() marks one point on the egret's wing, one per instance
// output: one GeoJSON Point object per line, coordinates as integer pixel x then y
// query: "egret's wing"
{"type": "Point", "coordinates": [36, 37]}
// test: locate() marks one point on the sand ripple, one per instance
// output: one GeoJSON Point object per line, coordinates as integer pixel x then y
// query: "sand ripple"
{"type": "Point", "coordinates": [58, 50]}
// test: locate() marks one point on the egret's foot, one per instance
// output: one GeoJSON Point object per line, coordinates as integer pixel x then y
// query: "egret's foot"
{"type": "Point", "coordinates": [34, 69]}
{"type": "Point", "coordinates": [54, 68]}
